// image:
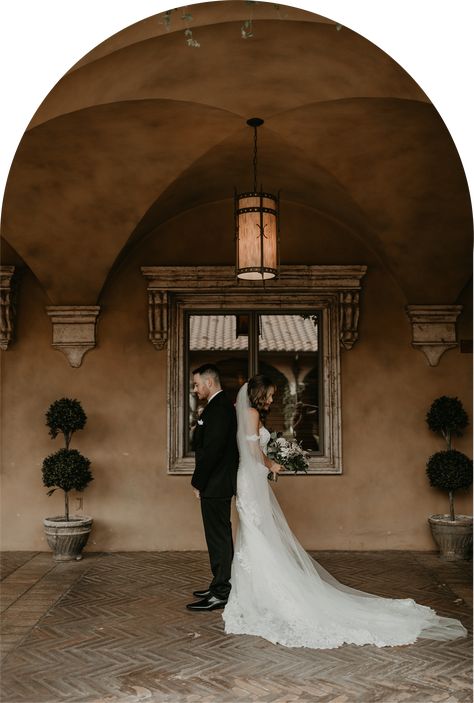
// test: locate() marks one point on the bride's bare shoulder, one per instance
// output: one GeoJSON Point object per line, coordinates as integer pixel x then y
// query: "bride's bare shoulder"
{"type": "Point", "coordinates": [254, 419]}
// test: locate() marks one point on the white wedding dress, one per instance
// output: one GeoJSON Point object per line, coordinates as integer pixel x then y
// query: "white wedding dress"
{"type": "Point", "coordinates": [280, 593]}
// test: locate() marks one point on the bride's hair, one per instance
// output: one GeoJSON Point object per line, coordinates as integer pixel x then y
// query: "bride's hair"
{"type": "Point", "coordinates": [257, 389]}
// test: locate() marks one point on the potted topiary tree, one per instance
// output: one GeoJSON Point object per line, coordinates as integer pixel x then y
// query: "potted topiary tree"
{"type": "Point", "coordinates": [450, 471]}
{"type": "Point", "coordinates": [66, 469]}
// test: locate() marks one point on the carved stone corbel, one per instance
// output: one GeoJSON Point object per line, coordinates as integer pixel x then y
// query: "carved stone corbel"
{"type": "Point", "coordinates": [349, 318]}
{"type": "Point", "coordinates": [434, 329]}
{"type": "Point", "coordinates": [158, 318]}
{"type": "Point", "coordinates": [7, 308]}
{"type": "Point", "coordinates": [73, 330]}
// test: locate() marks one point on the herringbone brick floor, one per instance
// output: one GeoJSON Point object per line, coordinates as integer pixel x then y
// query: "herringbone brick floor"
{"type": "Point", "coordinates": [113, 628]}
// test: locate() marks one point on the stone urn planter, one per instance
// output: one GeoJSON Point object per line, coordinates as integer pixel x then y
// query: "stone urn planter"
{"type": "Point", "coordinates": [450, 470]}
{"type": "Point", "coordinates": [454, 538]}
{"type": "Point", "coordinates": [67, 538]}
{"type": "Point", "coordinates": [66, 469]}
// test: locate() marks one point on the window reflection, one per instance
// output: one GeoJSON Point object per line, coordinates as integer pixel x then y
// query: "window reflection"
{"type": "Point", "coordinates": [289, 354]}
{"type": "Point", "coordinates": [221, 340]}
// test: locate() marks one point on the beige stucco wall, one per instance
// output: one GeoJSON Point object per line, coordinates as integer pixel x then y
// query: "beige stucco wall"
{"type": "Point", "coordinates": [382, 499]}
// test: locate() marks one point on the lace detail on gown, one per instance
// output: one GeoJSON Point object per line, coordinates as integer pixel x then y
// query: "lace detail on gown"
{"type": "Point", "coordinates": [280, 593]}
{"type": "Point", "coordinates": [248, 508]}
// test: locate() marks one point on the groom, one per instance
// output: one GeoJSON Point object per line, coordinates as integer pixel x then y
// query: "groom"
{"type": "Point", "coordinates": [214, 481]}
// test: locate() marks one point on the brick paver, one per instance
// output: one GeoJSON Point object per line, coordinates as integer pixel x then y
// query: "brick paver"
{"type": "Point", "coordinates": [113, 628]}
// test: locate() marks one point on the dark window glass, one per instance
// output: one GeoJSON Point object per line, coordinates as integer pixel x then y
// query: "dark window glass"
{"type": "Point", "coordinates": [289, 354]}
{"type": "Point", "coordinates": [283, 346]}
{"type": "Point", "coordinates": [220, 339]}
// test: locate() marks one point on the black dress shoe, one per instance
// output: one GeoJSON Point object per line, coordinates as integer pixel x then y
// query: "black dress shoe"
{"type": "Point", "coordinates": [210, 603]}
{"type": "Point", "coordinates": [202, 594]}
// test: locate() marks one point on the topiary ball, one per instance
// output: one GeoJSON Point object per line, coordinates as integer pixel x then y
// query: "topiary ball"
{"type": "Point", "coordinates": [447, 415]}
{"type": "Point", "coordinates": [67, 469]}
{"type": "Point", "coordinates": [65, 415]}
{"type": "Point", "coordinates": [449, 470]}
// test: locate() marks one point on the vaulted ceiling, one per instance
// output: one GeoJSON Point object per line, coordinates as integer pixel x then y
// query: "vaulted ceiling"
{"type": "Point", "coordinates": [146, 127]}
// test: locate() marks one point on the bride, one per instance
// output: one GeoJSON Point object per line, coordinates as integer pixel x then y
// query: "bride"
{"type": "Point", "coordinates": [278, 591]}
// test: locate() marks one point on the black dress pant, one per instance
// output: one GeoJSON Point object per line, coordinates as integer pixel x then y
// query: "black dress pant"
{"type": "Point", "coordinates": [218, 531]}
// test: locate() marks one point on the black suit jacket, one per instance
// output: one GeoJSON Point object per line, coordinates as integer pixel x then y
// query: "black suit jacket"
{"type": "Point", "coordinates": [215, 446]}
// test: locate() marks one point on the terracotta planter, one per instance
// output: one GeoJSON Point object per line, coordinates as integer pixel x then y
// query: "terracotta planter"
{"type": "Point", "coordinates": [67, 538]}
{"type": "Point", "coordinates": [454, 539]}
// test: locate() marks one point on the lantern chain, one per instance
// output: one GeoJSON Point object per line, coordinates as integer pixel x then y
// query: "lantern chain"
{"type": "Point", "coordinates": [255, 159]}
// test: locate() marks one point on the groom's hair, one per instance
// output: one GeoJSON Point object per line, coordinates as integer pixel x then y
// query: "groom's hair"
{"type": "Point", "coordinates": [209, 370]}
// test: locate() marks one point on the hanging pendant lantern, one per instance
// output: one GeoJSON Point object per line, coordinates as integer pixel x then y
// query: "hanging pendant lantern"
{"type": "Point", "coordinates": [256, 227]}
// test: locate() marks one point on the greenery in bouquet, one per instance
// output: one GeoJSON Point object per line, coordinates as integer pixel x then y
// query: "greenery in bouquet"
{"type": "Point", "coordinates": [289, 453]}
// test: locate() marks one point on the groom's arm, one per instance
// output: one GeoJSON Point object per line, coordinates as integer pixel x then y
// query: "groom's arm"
{"type": "Point", "coordinates": [215, 438]}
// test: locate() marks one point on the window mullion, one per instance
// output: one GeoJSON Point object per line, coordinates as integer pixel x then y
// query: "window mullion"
{"type": "Point", "coordinates": [253, 343]}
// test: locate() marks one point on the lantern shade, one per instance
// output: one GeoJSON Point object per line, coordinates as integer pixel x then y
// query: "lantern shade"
{"type": "Point", "coordinates": [256, 223]}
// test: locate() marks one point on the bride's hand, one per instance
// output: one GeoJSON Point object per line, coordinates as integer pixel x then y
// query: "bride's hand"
{"type": "Point", "coordinates": [274, 471]}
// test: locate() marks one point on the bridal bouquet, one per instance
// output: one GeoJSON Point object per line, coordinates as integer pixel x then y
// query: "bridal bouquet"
{"type": "Point", "coordinates": [289, 453]}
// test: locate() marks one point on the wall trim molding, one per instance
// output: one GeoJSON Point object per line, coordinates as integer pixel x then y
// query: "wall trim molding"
{"type": "Point", "coordinates": [184, 277]}
{"type": "Point", "coordinates": [344, 280]}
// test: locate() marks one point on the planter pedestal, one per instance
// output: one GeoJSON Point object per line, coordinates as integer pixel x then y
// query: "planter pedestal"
{"type": "Point", "coordinates": [454, 539]}
{"type": "Point", "coordinates": [67, 538]}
